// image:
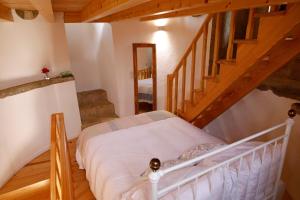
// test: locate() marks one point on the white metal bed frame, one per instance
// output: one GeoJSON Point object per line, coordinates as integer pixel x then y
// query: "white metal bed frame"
{"type": "Point", "coordinates": [156, 173]}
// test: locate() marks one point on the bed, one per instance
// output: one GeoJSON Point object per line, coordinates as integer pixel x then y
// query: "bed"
{"type": "Point", "coordinates": [145, 90]}
{"type": "Point", "coordinates": [192, 164]}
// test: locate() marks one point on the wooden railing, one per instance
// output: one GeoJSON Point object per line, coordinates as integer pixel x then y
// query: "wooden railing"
{"type": "Point", "coordinates": [60, 177]}
{"type": "Point", "coordinates": [145, 73]}
{"type": "Point", "coordinates": [188, 83]}
{"type": "Point", "coordinates": [176, 99]}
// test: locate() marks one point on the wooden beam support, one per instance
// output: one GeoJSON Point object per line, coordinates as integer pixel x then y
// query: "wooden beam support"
{"type": "Point", "coordinates": [5, 13]}
{"type": "Point", "coordinates": [213, 7]}
{"type": "Point", "coordinates": [45, 9]}
{"type": "Point", "coordinates": [99, 8]}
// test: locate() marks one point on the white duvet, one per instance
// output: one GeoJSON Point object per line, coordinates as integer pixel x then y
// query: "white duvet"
{"type": "Point", "coordinates": [114, 162]}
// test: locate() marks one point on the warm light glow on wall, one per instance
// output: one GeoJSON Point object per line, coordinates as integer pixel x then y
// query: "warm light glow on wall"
{"type": "Point", "coordinates": [161, 39]}
{"type": "Point", "coordinates": [161, 22]}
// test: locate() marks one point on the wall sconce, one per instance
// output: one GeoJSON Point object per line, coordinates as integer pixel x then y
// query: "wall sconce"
{"type": "Point", "coordinates": [161, 23]}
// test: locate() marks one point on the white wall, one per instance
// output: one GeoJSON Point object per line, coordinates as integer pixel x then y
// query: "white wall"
{"type": "Point", "coordinates": [26, 46]}
{"type": "Point", "coordinates": [101, 55]}
{"type": "Point", "coordinates": [25, 124]}
{"type": "Point", "coordinates": [84, 46]}
{"type": "Point", "coordinates": [255, 112]}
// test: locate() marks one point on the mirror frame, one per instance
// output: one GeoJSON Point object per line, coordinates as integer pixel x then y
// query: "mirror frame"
{"type": "Point", "coordinates": [135, 46]}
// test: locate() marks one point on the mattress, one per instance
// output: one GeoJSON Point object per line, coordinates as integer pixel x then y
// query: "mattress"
{"type": "Point", "coordinates": [114, 162]}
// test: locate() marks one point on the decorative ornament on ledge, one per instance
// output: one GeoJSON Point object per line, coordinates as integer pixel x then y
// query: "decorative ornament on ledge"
{"type": "Point", "coordinates": [46, 71]}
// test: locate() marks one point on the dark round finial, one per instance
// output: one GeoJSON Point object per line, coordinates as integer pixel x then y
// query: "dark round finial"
{"type": "Point", "coordinates": [154, 164]}
{"type": "Point", "coordinates": [292, 113]}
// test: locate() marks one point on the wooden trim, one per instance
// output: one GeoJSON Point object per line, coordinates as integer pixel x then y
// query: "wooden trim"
{"type": "Point", "coordinates": [209, 7]}
{"type": "Point", "coordinates": [61, 176]}
{"type": "Point", "coordinates": [135, 46]}
{"type": "Point", "coordinates": [5, 13]}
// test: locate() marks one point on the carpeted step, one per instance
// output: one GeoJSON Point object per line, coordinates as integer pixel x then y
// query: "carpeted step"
{"type": "Point", "coordinates": [91, 97]}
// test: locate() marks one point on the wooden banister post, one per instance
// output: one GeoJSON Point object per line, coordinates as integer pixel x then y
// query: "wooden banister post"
{"type": "Point", "coordinates": [231, 36]}
{"type": "Point", "coordinates": [192, 84]}
{"type": "Point", "coordinates": [216, 44]}
{"type": "Point", "coordinates": [249, 31]}
{"type": "Point", "coordinates": [169, 92]}
{"type": "Point", "coordinates": [203, 57]}
{"type": "Point", "coordinates": [183, 85]}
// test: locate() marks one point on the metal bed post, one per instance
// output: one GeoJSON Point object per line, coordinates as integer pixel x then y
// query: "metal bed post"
{"type": "Point", "coordinates": [288, 129]}
{"type": "Point", "coordinates": [154, 177]}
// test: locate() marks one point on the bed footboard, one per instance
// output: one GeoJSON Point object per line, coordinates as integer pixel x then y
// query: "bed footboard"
{"type": "Point", "coordinates": [277, 142]}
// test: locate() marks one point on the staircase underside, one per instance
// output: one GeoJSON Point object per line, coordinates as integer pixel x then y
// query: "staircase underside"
{"type": "Point", "coordinates": [286, 81]}
{"type": "Point", "coordinates": [278, 56]}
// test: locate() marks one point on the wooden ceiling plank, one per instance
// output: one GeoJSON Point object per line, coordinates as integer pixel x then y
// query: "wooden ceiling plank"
{"type": "Point", "coordinates": [5, 13]}
{"type": "Point", "coordinates": [151, 7]}
{"type": "Point", "coordinates": [99, 8]}
{"type": "Point", "coordinates": [185, 8]}
{"type": "Point", "coordinates": [72, 17]}
{"type": "Point", "coordinates": [45, 9]}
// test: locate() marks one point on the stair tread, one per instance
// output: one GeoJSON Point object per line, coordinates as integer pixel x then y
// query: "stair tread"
{"type": "Point", "coordinates": [224, 61]}
{"type": "Point", "coordinates": [246, 41]}
{"type": "Point", "coordinates": [270, 14]}
{"type": "Point", "coordinates": [101, 104]}
{"type": "Point", "coordinates": [92, 91]}
{"type": "Point", "coordinates": [210, 77]}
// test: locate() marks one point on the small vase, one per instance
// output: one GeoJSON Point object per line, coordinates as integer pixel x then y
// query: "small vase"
{"type": "Point", "coordinates": [46, 77]}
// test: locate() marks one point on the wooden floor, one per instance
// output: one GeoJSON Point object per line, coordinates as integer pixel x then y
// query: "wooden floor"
{"type": "Point", "coordinates": [32, 181]}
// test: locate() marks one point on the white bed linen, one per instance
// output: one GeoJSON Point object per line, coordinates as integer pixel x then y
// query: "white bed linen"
{"type": "Point", "coordinates": [145, 86]}
{"type": "Point", "coordinates": [114, 161]}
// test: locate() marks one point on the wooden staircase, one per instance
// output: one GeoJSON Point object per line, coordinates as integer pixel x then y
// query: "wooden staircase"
{"type": "Point", "coordinates": [199, 91]}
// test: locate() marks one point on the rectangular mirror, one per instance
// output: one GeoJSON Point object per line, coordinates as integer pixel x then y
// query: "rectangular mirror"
{"type": "Point", "coordinates": [144, 68]}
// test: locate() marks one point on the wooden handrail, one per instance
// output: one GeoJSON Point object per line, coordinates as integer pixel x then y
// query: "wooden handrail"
{"type": "Point", "coordinates": [195, 40]}
{"type": "Point", "coordinates": [60, 175]}
{"type": "Point", "coordinates": [192, 49]}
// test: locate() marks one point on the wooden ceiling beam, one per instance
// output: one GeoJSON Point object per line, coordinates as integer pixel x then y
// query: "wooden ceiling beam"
{"type": "Point", "coordinates": [176, 8]}
{"type": "Point", "coordinates": [5, 13]}
{"type": "Point", "coordinates": [45, 9]}
{"type": "Point", "coordinates": [100, 8]}
{"type": "Point", "coordinates": [151, 7]}
{"type": "Point", "coordinates": [220, 6]}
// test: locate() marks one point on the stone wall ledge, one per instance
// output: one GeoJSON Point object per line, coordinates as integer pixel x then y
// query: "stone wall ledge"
{"type": "Point", "coordinates": [32, 85]}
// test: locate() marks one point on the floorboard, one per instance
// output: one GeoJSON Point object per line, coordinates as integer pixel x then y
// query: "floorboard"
{"type": "Point", "coordinates": [32, 181]}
